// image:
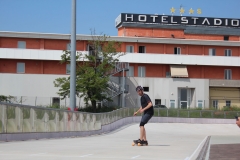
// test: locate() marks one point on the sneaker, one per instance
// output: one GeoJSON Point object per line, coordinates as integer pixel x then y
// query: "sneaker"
{"type": "Point", "coordinates": [137, 141]}
{"type": "Point", "coordinates": [143, 143]}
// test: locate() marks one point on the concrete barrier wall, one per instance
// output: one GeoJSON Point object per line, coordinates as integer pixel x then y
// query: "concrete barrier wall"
{"type": "Point", "coordinates": [19, 122]}
{"type": "Point", "coordinates": [108, 128]}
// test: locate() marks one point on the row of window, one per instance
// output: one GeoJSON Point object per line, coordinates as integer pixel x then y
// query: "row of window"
{"type": "Point", "coordinates": [215, 103]}
{"type": "Point", "coordinates": [199, 104]}
{"type": "Point", "coordinates": [172, 103]}
{"type": "Point", "coordinates": [141, 49]}
{"type": "Point", "coordinates": [142, 72]}
{"type": "Point", "coordinates": [130, 73]}
{"type": "Point", "coordinates": [177, 50]}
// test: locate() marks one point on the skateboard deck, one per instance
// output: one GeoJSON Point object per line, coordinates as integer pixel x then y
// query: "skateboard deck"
{"type": "Point", "coordinates": [138, 144]}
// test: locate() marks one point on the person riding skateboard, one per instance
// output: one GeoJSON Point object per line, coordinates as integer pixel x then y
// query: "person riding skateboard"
{"type": "Point", "coordinates": [147, 108]}
{"type": "Point", "coordinates": [238, 121]}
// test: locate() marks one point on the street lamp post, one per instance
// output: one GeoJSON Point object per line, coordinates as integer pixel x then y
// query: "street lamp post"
{"type": "Point", "coordinates": [73, 59]}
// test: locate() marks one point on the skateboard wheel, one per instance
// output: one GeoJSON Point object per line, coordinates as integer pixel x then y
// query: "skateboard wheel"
{"type": "Point", "coordinates": [133, 144]}
{"type": "Point", "coordinates": [139, 144]}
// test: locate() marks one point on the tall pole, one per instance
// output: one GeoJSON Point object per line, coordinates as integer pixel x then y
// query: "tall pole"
{"type": "Point", "coordinates": [123, 89]}
{"type": "Point", "coordinates": [73, 59]}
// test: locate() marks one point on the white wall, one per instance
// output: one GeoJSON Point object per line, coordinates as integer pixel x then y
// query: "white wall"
{"type": "Point", "coordinates": [42, 87]}
{"type": "Point", "coordinates": [166, 89]}
{"type": "Point", "coordinates": [35, 54]}
{"type": "Point", "coordinates": [35, 88]}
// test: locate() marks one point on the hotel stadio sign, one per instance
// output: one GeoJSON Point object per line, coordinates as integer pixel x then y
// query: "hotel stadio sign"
{"type": "Point", "coordinates": [176, 20]}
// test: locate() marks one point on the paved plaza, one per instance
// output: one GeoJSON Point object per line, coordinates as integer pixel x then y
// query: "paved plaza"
{"type": "Point", "coordinates": [167, 141]}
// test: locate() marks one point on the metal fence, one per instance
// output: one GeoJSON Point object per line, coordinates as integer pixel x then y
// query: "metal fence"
{"type": "Point", "coordinates": [19, 118]}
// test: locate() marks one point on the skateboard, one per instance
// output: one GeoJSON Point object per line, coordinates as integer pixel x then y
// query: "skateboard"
{"type": "Point", "coordinates": [136, 142]}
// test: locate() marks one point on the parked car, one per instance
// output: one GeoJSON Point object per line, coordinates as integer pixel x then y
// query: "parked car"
{"type": "Point", "coordinates": [160, 106]}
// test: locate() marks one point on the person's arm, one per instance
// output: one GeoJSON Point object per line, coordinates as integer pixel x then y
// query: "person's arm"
{"type": "Point", "coordinates": [137, 111]}
{"type": "Point", "coordinates": [148, 106]}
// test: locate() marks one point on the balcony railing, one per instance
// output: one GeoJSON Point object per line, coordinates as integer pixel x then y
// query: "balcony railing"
{"type": "Point", "coordinates": [224, 83]}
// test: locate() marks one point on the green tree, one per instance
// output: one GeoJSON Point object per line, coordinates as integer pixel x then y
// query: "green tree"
{"type": "Point", "coordinates": [5, 98]}
{"type": "Point", "coordinates": [92, 70]}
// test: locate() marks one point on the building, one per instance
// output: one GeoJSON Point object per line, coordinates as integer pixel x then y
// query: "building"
{"type": "Point", "coordinates": [180, 61]}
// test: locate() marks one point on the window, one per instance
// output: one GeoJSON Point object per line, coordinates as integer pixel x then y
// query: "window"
{"type": "Point", "coordinates": [200, 104]}
{"type": "Point", "coordinates": [90, 48]}
{"type": "Point", "coordinates": [225, 38]}
{"type": "Point", "coordinates": [130, 73]}
{"type": "Point", "coordinates": [168, 74]}
{"type": "Point", "coordinates": [215, 104]}
{"type": "Point", "coordinates": [20, 67]}
{"type": "Point", "coordinates": [142, 49]}
{"type": "Point", "coordinates": [228, 103]}
{"type": "Point", "coordinates": [56, 101]}
{"type": "Point", "coordinates": [172, 103]}
{"type": "Point", "coordinates": [69, 46]}
{"type": "Point", "coordinates": [146, 89]}
{"type": "Point", "coordinates": [212, 52]}
{"type": "Point", "coordinates": [177, 50]}
{"type": "Point", "coordinates": [67, 68]}
{"type": "Point", "coordinates": [228, 74]}
{"type": "Point", "coordinates": [228, 52]}
{"type": "Point", "coordinates": [22, 44]}
{"type": "Point", "coordinates": [141, 71]}
{"type": "Point", "coordinates": [157, 101]}
{"type": "Point", "coordinates": [129, 49]}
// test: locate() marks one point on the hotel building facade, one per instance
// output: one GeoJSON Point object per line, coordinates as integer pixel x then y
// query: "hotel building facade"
{"type": "Point", "coordinates": [181, 61]}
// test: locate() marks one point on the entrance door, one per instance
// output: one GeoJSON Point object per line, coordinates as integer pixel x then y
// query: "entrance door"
{"type": "Point", "coordinates": [183, 98]}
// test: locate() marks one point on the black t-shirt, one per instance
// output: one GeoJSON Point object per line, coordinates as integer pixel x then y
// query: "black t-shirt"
{"type": "Point", "coordinates": [145, 99]}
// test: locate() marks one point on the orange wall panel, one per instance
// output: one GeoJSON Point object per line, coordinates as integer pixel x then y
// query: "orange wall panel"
{"type": "Point", "coordinates": [56, 44]}
{"type": "Point", "coordinates": [194, 71]}
{"type": "Point", "coordinates": [168, 33]}
{"type": "Point", "coordinates": [155, 70]}
{"type": "Point", "coordinates": [80, 45]}
{"type": "Point", "coordinates": [31, 43]}
{"type": "Point", "coordinates": [120, 31]}
{"type": "Point", "coordinates": [54, 67]}
{"type": "Point", "coordinates": [8, 66]}
{"type": "Point", "coordinates": [195, 50]}
{"type": "Point", "coordinates": [170, 48]}
{"type": "Point", "coordinates": [220, 50]}
{"type": "Point", "coordinates": [151, 48]}
{"type": "Point", "coordinates": [217, 72]}
{"type": "Point", "coordinates": [138, 32]}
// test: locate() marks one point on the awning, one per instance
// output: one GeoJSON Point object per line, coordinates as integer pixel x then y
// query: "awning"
{"type": "Point", "coordinates": [178, 71]}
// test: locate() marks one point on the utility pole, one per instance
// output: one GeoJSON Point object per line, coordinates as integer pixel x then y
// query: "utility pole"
{"type": "Point", "coordinates": [73, 59]}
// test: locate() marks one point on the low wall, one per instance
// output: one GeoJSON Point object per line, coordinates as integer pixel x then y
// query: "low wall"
{"type": "Point", "coordinates": [108, 128]}
{"type": "Point", "coordinates": [19, 122]}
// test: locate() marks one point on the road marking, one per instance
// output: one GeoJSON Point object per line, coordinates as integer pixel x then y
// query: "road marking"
{"type": "Point", "coordinates": [38, 154]}
{"type": "Point", "coordinates": [86, 155]}
{"type": "Point", "coordinates": [187, 158]}
{"type": "Point", "coordinates": [135, 156]}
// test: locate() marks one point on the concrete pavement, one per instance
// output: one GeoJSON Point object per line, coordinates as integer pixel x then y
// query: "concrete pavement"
{"type": "Point", "coordinates": [167, 141]}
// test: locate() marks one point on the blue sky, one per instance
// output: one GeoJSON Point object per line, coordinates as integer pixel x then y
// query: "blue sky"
{"type": "Point", "coordinates": [54, 16]}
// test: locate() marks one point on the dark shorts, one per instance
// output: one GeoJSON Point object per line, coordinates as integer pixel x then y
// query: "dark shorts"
{"type": "Point", "coordinates": [145, 118]}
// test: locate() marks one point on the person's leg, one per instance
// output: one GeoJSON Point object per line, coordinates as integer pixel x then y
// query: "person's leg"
{"type": "Point", "coordinates": [144, 134]}
{"type": "Point", "coordinates": [141, 132]}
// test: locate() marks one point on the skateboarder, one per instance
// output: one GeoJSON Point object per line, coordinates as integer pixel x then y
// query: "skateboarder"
{"type": "Point", "coordinates": [238, 121]}
{"type": "Point", "coordinates": [147, 108]}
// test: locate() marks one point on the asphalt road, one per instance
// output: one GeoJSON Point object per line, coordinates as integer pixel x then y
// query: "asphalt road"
{"type": "Point", "coordinates": [167, 141]}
